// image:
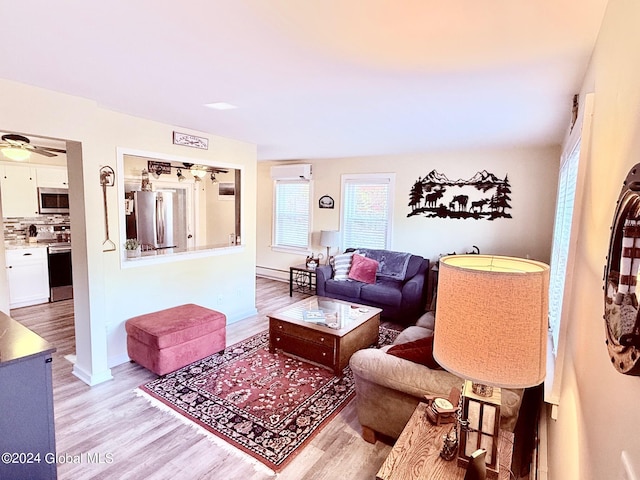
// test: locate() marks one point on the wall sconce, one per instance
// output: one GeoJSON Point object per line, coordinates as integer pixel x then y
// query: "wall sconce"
{"type": "Point", "coordinates": [213, 178]}
{"type": "Point", "coordinates": [181, 177]}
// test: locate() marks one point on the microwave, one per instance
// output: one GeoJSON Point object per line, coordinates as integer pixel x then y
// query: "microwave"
{"type": "Point", "coordinates": [53, 200]}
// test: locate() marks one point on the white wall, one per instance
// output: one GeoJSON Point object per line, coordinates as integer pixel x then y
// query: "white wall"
{"type": "Point", "coordinates": [532, 174]}
{"type": "Point", "coordinates": [598, 416]}
{"type": "Point", "coordinates": [107, 295]}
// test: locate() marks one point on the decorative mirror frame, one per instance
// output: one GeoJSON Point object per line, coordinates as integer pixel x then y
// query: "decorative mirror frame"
{"type": "Point", "coordinates": [622, 322]}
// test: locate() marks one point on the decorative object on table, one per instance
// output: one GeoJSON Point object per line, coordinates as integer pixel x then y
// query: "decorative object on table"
{"type": "Point", "coordinates": [450, 444]}
{"type": "Point", "coordinates": [443, 410]}
{"type": "Point", "coordinates": [483, 196]}
{"type": "Point", "coordinates": [491, 330]}
{"type": "Point", "coordinates": [477, 469]}
{"type": "Point", "coordinates": [213, 394]}
{"type": "Point", "coordinates": [622, 322]}
{"type": "Point", "coordinates": [187, 140]}
{"type": "Point", "coordinates": [312, 262]}
{"type": "Point", "coordinates": [325, 202]}
{"type": "Point", "coordinates": [329, 239]}
{"type": "Point", "coordinates": [314, 316]}
{"type": "Point", "coordinates": [132, 247]}
{"type": "Point", "coordinates": [107, 179]}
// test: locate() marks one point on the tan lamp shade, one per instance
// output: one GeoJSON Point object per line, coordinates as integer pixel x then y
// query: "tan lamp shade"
{"type": "Point", "coordinates": [491, 319]}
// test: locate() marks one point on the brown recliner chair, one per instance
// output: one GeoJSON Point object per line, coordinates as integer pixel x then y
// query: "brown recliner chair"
{"type": "Point", "coordinates": [388, 388]}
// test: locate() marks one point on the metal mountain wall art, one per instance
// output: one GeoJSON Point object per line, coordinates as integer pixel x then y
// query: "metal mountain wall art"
{"type": "Point", "coordinates": [483, 196]}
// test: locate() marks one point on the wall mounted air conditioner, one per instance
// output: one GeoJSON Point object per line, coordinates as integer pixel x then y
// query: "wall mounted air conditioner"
{"type": "Point", "coordinates": [291, 172]}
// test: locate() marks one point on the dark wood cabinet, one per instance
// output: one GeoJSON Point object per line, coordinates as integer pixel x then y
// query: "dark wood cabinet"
{"type": "Point", "coordinates": [27, 439]}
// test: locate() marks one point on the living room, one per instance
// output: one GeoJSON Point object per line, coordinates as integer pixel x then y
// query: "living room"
{"type": "Point", "coordinates": [596, 418]}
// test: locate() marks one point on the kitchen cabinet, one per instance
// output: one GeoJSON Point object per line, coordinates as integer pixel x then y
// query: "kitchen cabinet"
{"type": "Point", "coordinates": [28, 442]}
{"type": "Point", "coordinates": [52, 177]}
{"type": "Point", "coordinates": [19, 191]}
{"type": "Point", "coordinates": [28, 275]}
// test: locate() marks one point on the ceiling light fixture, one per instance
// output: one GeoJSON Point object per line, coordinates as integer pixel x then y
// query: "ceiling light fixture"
{"type": "Point", "coordinates": [157, 172]}
{"type": "Point", "coordinates": [16, 153]}
{"type": "Point", "coordinates": [213, 178]}
{"type": "Point", "coordinates": [220, 106]}
{"type": "Point", "coordinates": [181, 177]}
{"type": "Point", "coordinates": [198, 171]}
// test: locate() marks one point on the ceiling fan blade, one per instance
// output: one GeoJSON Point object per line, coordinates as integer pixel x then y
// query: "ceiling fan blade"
{"type": "Point", "coordinates": [41, 151]}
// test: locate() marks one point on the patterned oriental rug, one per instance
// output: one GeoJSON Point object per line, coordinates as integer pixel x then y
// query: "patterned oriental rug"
{"type": "Point", "coordinates": [267, 405]}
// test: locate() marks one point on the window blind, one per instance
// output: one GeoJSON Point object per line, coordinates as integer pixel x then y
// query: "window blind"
{"type": "Point", "coordinates": [561, 240]}
{"type": "Point", "coordinates": [366, 218]}
{"type": "Point", "coordinates": [291, 217]}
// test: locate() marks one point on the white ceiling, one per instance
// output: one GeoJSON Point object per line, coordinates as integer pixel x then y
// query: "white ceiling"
{"type": "Point", "coordinates": [317, 78]}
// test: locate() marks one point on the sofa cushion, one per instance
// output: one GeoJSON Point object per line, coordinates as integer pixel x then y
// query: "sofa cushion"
{"type": "Point", "coordinates": [341, 266]}
{"type": "Point", "coordinates": [363, 269]}
{"type": "Point", "coordinates": [348, 289]}
{"type": "Point", "coordinates": [383, 292]}
{"type": "Point", "coordinates": [427, 320]}
{"type": "Point", "coordinates": [419, 351]}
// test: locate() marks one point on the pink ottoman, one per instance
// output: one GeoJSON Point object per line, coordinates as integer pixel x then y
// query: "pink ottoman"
{"type": "Point", "coordinates": [167, 340]}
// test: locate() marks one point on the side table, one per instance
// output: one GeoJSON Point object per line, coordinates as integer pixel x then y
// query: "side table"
{"type": "Point", "coordinates": [303, 278]}
{"type": "Point", "coordinates": [416, 453]}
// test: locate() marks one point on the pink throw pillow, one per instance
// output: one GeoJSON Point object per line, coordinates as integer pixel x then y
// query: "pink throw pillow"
{"type": "Point", "coordinates": [363, 269]}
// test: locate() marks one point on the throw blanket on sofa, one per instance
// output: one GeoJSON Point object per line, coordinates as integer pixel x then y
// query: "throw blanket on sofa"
{"type": "Point", "coordinates": [392, 264]}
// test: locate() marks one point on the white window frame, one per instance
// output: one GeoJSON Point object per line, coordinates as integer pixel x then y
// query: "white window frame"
{"type": "Point", "coordinates": [288, 248]}
{"type": "Point", "coordinates": [386, 178]}
{"type": "Point", "coordinates": [580, 137]}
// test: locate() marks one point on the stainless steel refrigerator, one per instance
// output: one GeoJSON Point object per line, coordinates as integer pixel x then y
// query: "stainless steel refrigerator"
{"type": "Point", "coordinates": [160, 219]}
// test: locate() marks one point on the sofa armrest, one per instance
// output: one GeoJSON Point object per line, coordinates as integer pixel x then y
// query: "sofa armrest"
{"type": "Point", "coordinates": [413, 291]}
{"type": "Point", "coordinates": [378, 367]}
{"type": "Point", "coordinates": [399, 374]}
{"type": "Point", "coordinates": [323, 273]}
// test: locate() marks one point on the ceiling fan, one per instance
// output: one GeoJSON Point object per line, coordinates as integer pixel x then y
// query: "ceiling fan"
{"type": "Point", "coordinates": [18, 147]}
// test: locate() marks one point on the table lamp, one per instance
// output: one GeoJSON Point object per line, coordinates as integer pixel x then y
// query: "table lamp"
{"type": "Point", "coordinates": [491, 329]}
{"type": "Point", "coordinates": [329, 239]}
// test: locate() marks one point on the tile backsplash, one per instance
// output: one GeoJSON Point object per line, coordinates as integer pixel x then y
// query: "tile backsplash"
{"type": "Point", "coordinates": [16, 229]}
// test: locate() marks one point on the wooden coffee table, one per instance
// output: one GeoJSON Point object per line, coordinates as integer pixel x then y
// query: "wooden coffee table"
{"type": "Point", "coordinates": [353, 327]}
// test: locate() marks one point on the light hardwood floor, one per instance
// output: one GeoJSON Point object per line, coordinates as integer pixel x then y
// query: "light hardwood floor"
{"type": "Point", "coordinates": [137, 441]}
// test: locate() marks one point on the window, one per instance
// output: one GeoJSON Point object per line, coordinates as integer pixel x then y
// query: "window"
{"type": "Point", "coordinates": [367, 205]}
{"type": "Point", "coordinates": [561, 235]}
{"type": "Point", "coordinates": [565, 232]}
{"type": "Point", "coordinates": [291, 214]}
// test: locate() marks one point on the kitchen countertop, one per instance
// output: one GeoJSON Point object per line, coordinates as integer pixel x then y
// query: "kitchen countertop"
{"type": "Point", "coordinates": [18, 342]}
{"type": "Point", "coordinates": [15, 245]}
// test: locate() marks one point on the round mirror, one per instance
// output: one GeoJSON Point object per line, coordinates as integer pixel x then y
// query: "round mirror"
{"type": "Point", "coordinates": [622, 324]}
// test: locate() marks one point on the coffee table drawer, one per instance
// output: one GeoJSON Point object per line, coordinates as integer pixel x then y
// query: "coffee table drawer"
{"type": "Point", "coordinates": [307, 334]}
{"type": "Point", "coordinates": [321, 354]}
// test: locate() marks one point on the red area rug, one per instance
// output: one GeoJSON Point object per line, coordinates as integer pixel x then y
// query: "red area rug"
{"type": "Point", "coordinates": [267, 405]}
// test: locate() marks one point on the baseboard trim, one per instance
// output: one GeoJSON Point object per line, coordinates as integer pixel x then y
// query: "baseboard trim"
{"type": "Point", "coordinates": [273, 274]}
{"type": "Point", "coordinates": [91, 379]}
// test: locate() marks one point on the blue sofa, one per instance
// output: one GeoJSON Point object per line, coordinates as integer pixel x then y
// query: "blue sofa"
{"type": "Point", "coordinates": [401, 294]}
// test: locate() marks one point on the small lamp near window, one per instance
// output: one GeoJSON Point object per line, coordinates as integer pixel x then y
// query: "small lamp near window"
{"type": "Point", "coordinates": [329, 239]}
{"type": "Point", "coordinates": [491, 329]}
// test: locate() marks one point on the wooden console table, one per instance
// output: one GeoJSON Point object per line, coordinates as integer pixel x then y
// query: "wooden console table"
{"type": "Point", "coordinates": [416, 454]}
